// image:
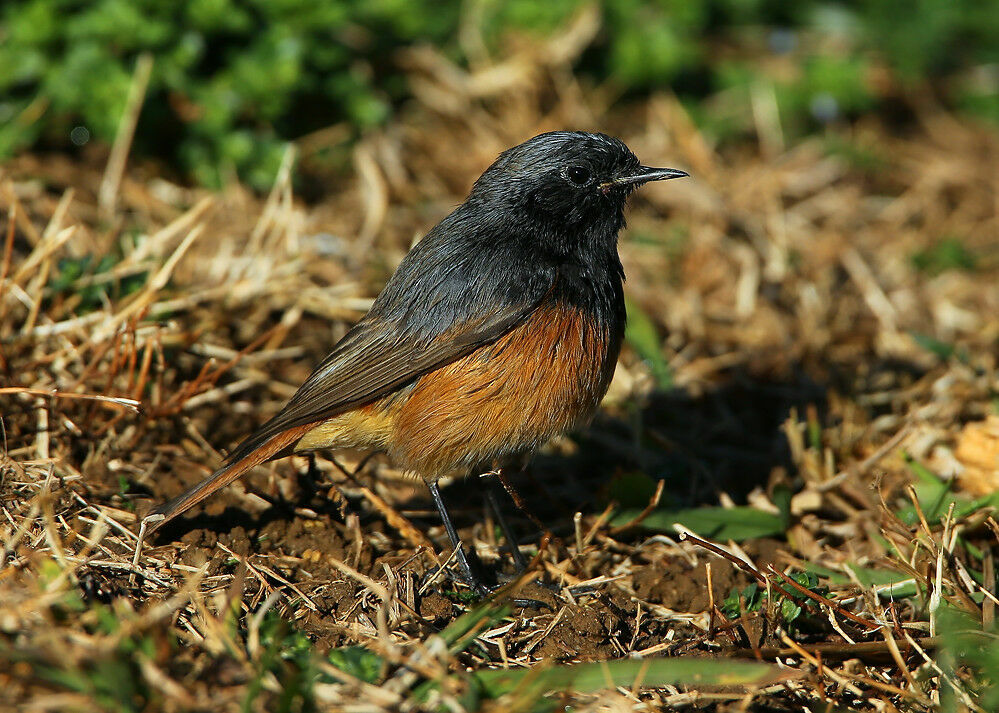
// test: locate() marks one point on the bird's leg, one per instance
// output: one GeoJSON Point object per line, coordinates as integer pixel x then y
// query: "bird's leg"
{"type": "Point", "coordinates": [463, 565]}
{"type": "Point", "coordinates": [497, 477]}
{"type": "Point", "coordinates": [353, 474]}
{"type": "Point", "coordinates": [518, 558]}
{"type": "Point", "coordinates": [311, 479]}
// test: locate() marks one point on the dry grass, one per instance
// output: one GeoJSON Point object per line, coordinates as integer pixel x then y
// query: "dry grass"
{"type": "Point", "coordinates": [825, 360]}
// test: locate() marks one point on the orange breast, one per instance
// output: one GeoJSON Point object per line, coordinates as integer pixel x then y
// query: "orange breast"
{"type": "Point", "coordinates": [540, 380]}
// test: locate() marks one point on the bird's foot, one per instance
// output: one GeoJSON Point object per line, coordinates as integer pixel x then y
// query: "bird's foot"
{"type": "Point", "coordinates": [479, 590]}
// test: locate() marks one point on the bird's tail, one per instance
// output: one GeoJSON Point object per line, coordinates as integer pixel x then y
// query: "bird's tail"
{"type": "Point", "coordinates": [221, 478]}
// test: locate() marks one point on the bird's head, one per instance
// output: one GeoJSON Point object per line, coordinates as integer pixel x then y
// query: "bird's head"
{"type": "Point", "coordinates": [566, 186]}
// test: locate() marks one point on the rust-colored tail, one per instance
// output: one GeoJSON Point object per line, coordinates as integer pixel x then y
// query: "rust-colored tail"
{"type": "Point", "coordinates": [221, 478]}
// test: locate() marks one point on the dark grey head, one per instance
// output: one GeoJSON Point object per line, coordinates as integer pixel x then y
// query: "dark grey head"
{"type": "Point", "coordinates": [569, 184]}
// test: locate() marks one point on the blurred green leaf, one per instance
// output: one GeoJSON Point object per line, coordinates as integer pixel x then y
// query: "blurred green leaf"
{"type": "Point", "coordinates": [632, 489]}
{"type": "Point", "coordinates": [971, 654]}
{"type": "Point", "coordinates": [943, 350]}
{"type": "Point", "coordinates": [868, 577]}
{"type": "Point", "coordinates": [935, 497]}
{"type": "Point", "coordinates": [460, 634]}
{"type": "Point", "coordinates": [648, 673]}
{"type": "Point", "coordinates": [358, 661]}
{"type": "Point", "coordinates": [738, 523]}
{"type": "Point", "coordinates": [462, 631]}
{"type": "Point", "coordinates": [947, 254]}
{"type": "Point", "coordinates": [781, 497]}
{"type": "Point", "coordinates": [641, 333]}
{"type": "Point", "coordinates": [749, 598]}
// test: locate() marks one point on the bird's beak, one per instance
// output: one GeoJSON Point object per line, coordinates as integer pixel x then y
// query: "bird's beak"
{"type": "Point", "coordinates": [644, 174]}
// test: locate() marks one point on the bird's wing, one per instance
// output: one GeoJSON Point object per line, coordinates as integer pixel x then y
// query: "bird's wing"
{"type": "Point", "coordinates": [374, 359]}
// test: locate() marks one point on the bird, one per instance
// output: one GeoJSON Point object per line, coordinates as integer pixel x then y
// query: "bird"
{"type": "Point", "coordinates": [500, 329]}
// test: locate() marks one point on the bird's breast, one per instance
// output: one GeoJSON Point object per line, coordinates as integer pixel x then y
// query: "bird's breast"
{"type": "Point", "coordinates": [537, 381]}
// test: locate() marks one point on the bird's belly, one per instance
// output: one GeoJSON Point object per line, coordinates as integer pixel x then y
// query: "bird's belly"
{"type": "Point", "coordinates": [367, 427]}
{"type": "Point", "coordinates": [539, 380]}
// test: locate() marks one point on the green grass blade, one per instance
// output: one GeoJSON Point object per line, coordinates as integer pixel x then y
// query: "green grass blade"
{"type": "Point", "coordinates": [738, 523]}
{"type": "Point", "coordinates": [641, 333]}
{"type": "Point", "coordinates": [461, 632]}
{"type": "Point", "coordinates": [648, 673]}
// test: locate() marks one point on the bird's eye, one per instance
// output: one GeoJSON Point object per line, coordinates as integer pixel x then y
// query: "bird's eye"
{"type": "Point", "coordinates": [578, 175]}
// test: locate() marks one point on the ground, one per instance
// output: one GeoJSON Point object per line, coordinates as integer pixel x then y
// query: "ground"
{"type": "Point", "coordinates": [811, 372]}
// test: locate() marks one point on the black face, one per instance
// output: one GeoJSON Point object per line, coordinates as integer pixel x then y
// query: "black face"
{"type": "Point", "coordinates": [570, 185]}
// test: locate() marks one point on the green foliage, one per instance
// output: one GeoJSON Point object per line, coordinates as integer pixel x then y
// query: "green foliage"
{"type": "Point", "coordinates": [935, 497]}
{"type": "Point", "coordinates": [530, 685]}
{"type": "Point", "coordinates": [359, 662]}
{"type": "Point", "coordinates": [932, 36]}
{"type": "Point", "coordinates": [90, 280]}
{"type": "Point", "coordinates": [234, 79]}
{"type": "Point", "coordinates": [631, 490]}
{"type": "Point", "coordinates": [737, 523]}
{"type": "Point", "coordinates": [749, 599]}
{"type": "Point", "coordinates": [112, 680]}
{"type": "Point", "coordinates": [943, 350]}
{"type": "Point", "coordinates": [971, 657]}
{"type": "Point", "coordinates": [113, 677]}
{"type": "Point", "coordinates": [640, 332]}
{"type": "Point", "coordinates": [890, 583]}
{"type": "Point", "coordinates": [781, 497]}
{"type": "Point", "coordinates": [462, 596]}
{"type": "Point", "coordinates": [753, 598]}
{"type": "Point", "coordinates": [947, 254]}
{"type": "Point", "coordinates": [592, 677]}
{"type": "Point", "coordinates": [289, 656]}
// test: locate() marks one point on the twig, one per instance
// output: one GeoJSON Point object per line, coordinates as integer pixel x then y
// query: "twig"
{"type": "Point", "coordinates": [652, 505]}
{"type": "Point", "coordinates": [398, 521]}
{"type": "Point", "coordinates": [920, 647]}
{"type": "Point", "coordinates": [871, 460]}
{"type": "Point", "coordinates": [112, 401]}
{"type": "Point", "coordinates": [8, 251]}
{"type": "Point", "coordinates": [517, 499]}
{"type": "Point", "coordinates": [139, 540]}
{"type": "Point", "coordinates": [900, 662]}
{"type": "Point", "coordinates": [814, 658]}
{"type": "Point", "coordinates": [123, 139]}
{"type": "Point", "coordinates": [601, 520]}
{"type": "Point", "coordinates": [746, 567]}
{"type": "Point", "coordinates": [271, 573]}
{"type": "Point", "coordinates": [382, 592]}
{"type": "Point", "coordinates": [145, 298]}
